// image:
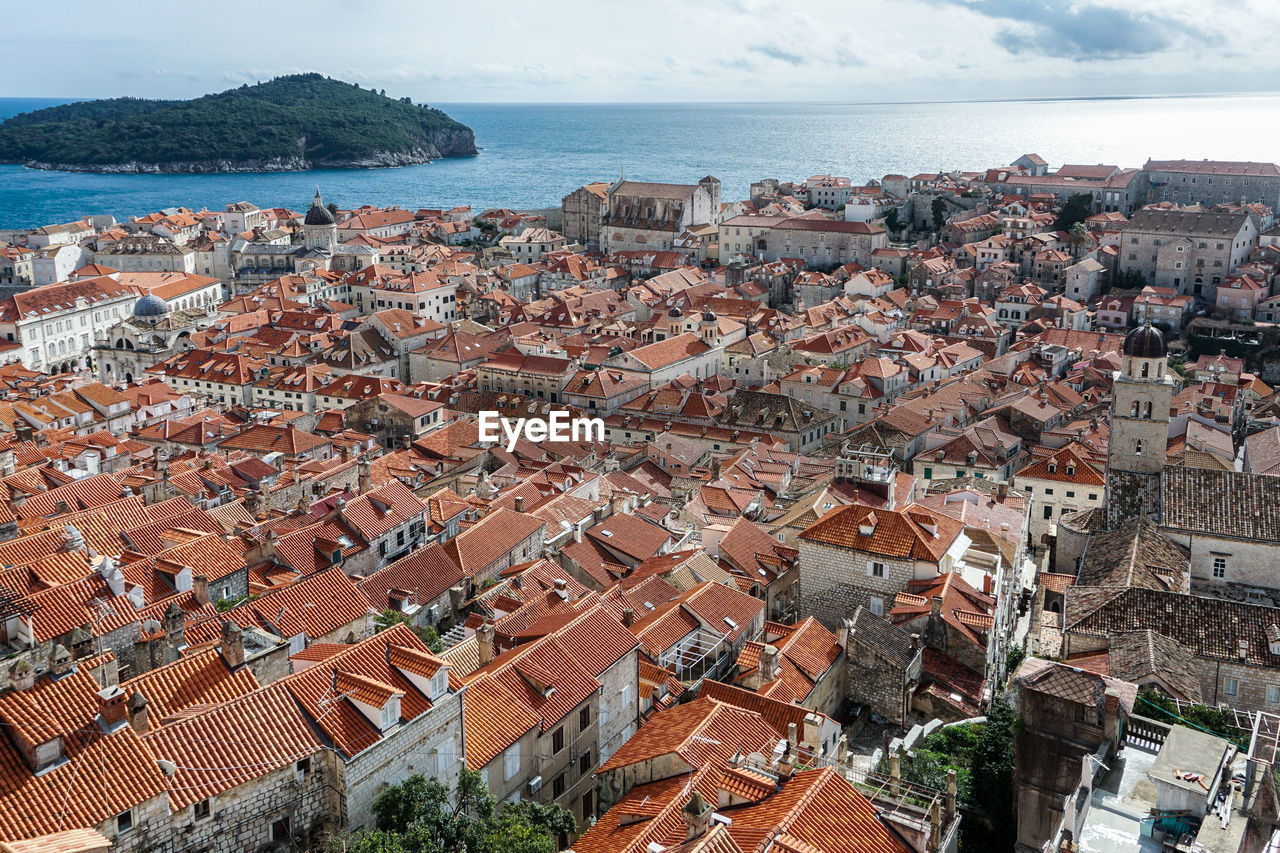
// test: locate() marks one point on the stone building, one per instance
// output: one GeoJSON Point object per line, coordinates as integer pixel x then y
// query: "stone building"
{"type": "Point", "coordinates": [388, 708]}
{"type": "Point", "coordinates": [583, 211]}
{"type": "Point", "coordinates": [824, 243]}
{"type": "Point", "coordinates": [882, 664]}
{"type": "Point", "coordinates": [1190, 251]}
{"type": "Point", "coordinates": [649, 217]}
{"type": "Point", "coordinates": [1141, 398]}
{"type": "Point", "coordinates": [1213, 182]}
{"type": "Point", "coordinates": [856, 556]}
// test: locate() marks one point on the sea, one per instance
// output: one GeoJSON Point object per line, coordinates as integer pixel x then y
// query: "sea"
{"type": "Point", "coordinates": [531, 155]}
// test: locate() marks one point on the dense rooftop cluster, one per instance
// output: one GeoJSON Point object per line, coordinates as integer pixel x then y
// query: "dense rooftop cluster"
{"type": "Point", "coordinates": [858, 448]}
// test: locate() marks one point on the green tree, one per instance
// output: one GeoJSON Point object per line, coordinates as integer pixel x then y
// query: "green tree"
{"type": "Point", "coordinates": [939, 210]}
{"type": "Point", "coordinates": [1014, 659]}
{"type": "Point", "coordinates": [429, 636]}
{"type": "Point", "coordinates": [423, 816]}
{"type": "Point", "coordinates": [1079, 236]}
{"type": "Point", "coordinates": [1075, 210]}
{"type": "Point", "coordinates": [1129, 279]}
{"type": "Point", "coordinates": [991, 774]}
{"type": "Point", "coordinates": [891, 221]}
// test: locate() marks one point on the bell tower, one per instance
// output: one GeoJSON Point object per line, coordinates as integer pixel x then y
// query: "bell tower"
{"type": "Point", "coordinates": [1141, 397]}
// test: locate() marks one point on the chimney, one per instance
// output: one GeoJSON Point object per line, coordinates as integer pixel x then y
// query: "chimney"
{"type": "Point", "coordinates": [232, 649]}
{"type": "Point", "coordinates": [812, 731]}
{"type": "Point", "coordinates": [200, 589]}
{"type": "Point", "coordinates": [519, 503]}
{"type": "Point", "coordinates": [768, 666]}
{"type": "Point", "coordinates": [484, 643]}
{"type": "Point", "coordinates": [111, 710]}
{"type": "Point", "coordinates": [787, 763]}
{"type": "Point", "coordinates": [986, 584]}
{"type": "Point", "coordinates": [139, 716]}
{"type": "Point", "coordinates": [1243, 645]}
{"type": "Point", "coordinates": [22, 675]}
{"type": "Point", "coordinates": [936, 604]}
{"type": "Point", "coordinates": [697, 817]}
{"type": "Point", "coordinates": [174, 626]}
{"type": "Point", "coordinates": [61, 664]}
{"type": "Point", "coordinates": [365, 477]}
{"type": "Point", "coordinates": [406, 442]}
{"type": "Point", "coordinates": [628, 616]}
{"type": "Point", "coordinates": [1112, 701]}
{"type": "Point", "coordinates": [915, 643]}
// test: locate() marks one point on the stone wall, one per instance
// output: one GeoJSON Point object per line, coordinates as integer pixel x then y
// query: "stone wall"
{"type": "Point", "coordinates": [834, 581]}
{"type": "Point", "coordinates": [872, 679]}
{"type": "Point", "coordinates": [242, 818]}
{"type": "Point", "coordinates": [619, 708]}
{"type": "Point", "coordinates": [431, 745]}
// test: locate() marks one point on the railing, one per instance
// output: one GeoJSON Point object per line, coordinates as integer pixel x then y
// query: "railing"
{"type": "Point", "coordinates": [1145, 733]}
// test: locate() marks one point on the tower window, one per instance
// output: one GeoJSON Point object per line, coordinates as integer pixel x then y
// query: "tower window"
{"type": "Point", "coordinates": [1145, 369]}
{"type": "Point", "coordinates": [1137, 447]}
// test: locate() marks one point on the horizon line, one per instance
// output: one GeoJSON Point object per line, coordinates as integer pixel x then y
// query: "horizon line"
{"type": "Point", "coordinates": [809, 102]}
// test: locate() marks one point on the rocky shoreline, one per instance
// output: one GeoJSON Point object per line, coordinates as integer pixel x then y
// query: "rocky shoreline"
{"type": "Point", "coordinates": [454, 144]}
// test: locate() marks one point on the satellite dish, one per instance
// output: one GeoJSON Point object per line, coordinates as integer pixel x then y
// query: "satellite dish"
{"type": "Point", "coordinates": [168, 768]}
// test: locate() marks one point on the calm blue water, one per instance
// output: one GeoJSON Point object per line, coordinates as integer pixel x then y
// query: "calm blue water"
{"type": "Point", "coordinates": [534, 154]}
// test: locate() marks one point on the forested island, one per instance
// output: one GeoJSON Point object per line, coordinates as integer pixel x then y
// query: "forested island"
{"type": "Point", "coordinates": [291, 123]}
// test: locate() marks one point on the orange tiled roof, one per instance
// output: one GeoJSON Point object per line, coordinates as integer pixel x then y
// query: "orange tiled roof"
{"type": "Point", "coordinates": [202, 678]}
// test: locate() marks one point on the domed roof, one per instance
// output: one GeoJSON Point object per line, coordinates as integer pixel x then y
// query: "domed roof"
{"type": "Point", "coordinates": [709, 316]}
{"type": "Point", "coordinates": [318, 214]}
{"type": "Point", "coordinates": [150, 306]}
{"type": "Point", "coordinates": [675, 311]}
{"type": "Point", "coordinates": [1146, 341]}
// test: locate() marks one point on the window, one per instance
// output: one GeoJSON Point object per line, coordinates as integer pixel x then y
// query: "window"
{"type": "Point", "coordinates": [876, 569]}
{"type": "Point", "coordinates": [1219, 567]}
{"type": "Point", "coordinates": [1230, 686]}
{"type": "Point", "coordinates": [584, 719]}
{"type": "Point", "coordinates": [280, 830]}
{"type": "Point", "coordinates": [557, 786]}
{"type": "Point", "coordinates": [1273, 694]}
{"type": "Point", "coordinates": [200, 810]}
{"type": "Point", "coordinates": [1048, 512]}
{"type": "Point", "coordinates": [557, 740]}
{"type": "Point", "coordinates": [124, 821]}
{"type": "Point", "coordinates": [510, 762]}
{"type": "Point", "coordinates": [1093, 496]}
{"type": "Point", "coordinates": [1048, 491]}
{"type": "Point", "coordinates": [877, 605]}
{"type": "Point", "coordinates": [1070, 494]}
{"type": "Point", "coordinates": [584, 763]}
{"type": "Point", "coordinates": [304, 767]}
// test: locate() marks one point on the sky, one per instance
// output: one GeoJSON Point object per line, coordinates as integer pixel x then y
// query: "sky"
{"type": "Point", "coordinates": [655, 50]}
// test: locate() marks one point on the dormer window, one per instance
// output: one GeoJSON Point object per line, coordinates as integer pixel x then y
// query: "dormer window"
{"type": "Point", "coordinates": [390, 713]}
{"type": "Point", "coordinates": [1071, 470]}
{"type": "Point", "coordinates": [1053, 467]}
{"type": "Point", "coordinates": [439, 683]}
{"type": "Point", "coordinates": [49, 754]}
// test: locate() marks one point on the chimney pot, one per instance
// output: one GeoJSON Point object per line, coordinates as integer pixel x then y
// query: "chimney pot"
{"type": "Point", "coordinates": [200, 589]}
{"type": "Point", "coordinates": [484, 644]}
{"type": "Point", "coordinates": [232, 649]}
{"type": "Point", "coordinates": [111, 710]}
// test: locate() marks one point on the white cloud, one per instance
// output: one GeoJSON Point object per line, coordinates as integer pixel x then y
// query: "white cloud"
{"type": "Point", "coordinates": [661, 50]}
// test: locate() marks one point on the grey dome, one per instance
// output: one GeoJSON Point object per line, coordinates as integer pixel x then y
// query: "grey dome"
{"type": "Point", "coordinates": [1146, 341]}
{"type": "Point", "coordinates": [318, 214]}
{"type": "Point", "coordinates": [709, 316]}
{"type": "Point", "coordinates": [150, 306]}
{"type": "Point", "coordinates": [675, 311]}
